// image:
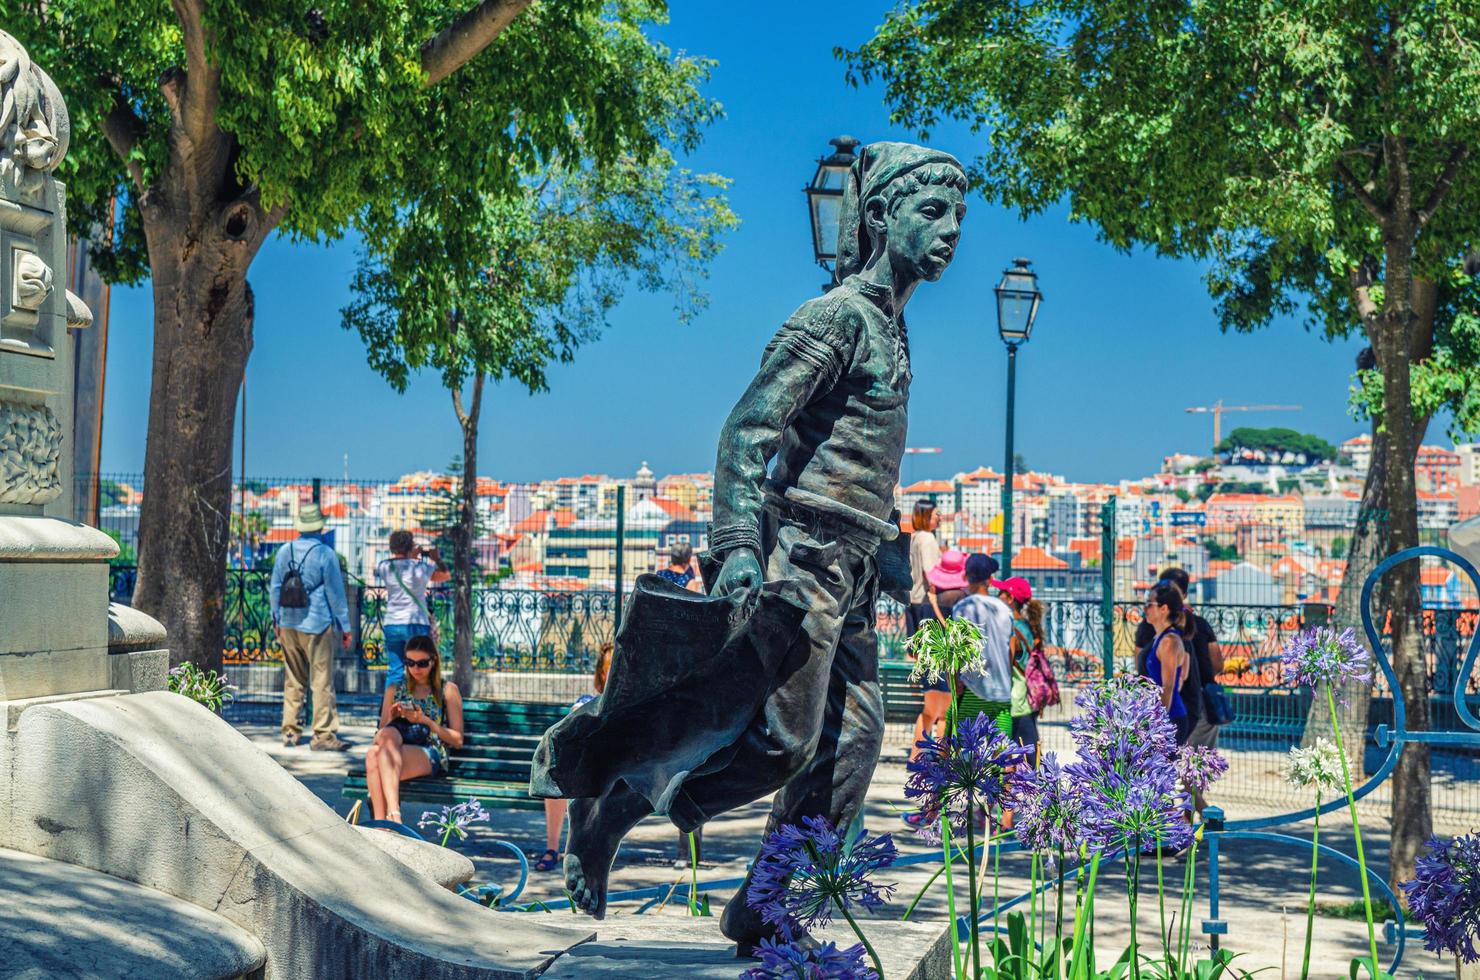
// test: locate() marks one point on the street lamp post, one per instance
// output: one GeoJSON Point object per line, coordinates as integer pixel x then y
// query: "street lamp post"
{"type": "Point", "coordinates": [1017, 307]}
{"type": "Point", "coordinates": [825, 201]}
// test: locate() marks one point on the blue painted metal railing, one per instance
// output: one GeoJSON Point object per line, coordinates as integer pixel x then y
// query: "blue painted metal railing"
{"type": "Point", "coordinates": [1393, 739]}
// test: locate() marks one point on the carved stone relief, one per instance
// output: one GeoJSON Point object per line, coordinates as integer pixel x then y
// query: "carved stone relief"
{"type": "Point", "coordinates": [30, 450]}
{"type": "Point", "coordinates": [34, 126]}
{"type": "Point", "coordinates": [32, 281]}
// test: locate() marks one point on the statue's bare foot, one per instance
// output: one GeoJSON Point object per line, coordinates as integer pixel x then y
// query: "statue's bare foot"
{"type": "Point", "coordinates": [597, 826]}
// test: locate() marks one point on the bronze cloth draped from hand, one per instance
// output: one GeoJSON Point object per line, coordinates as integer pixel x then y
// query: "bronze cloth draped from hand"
{"type": "Point", "coordinates": [688, 674]}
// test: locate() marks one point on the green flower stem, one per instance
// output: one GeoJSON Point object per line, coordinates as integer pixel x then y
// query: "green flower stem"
{"type": "Point", "coordinates": [974, 891]}
{"type": "Point", "coordinates": [878, 967]}
{"type": "Point", "coordinates": [1184, 943]}
{"type": "Point", "coordinates": [694, 876]}
{"type": "Point", "coordinates": [945, 836]}
{"type": "Point", "coordinates": [1132, 888]}
{"type": "Point", "coordinates": [1083, 912]}
{"type": "Point", "coordinates": [1032, 906]}
{"type": "Point", "coordinates": [1310, 905]}
{"type": "Point", "coordinates": [1351, 802]}
{"type": "Point", "coordinates": [1161, 904]}
{"type": "Point", "coordinates": [996, 874]}
{"type": "Point", "coordinates": [930, 881]}
{"type": "Point", "coordinates": [1058, 923]}
{"type": "Point", "coordinates": [446, 835]}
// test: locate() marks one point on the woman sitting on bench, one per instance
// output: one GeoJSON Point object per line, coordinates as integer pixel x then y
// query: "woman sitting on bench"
{"type": "Point", "coordinates": [417, 726]}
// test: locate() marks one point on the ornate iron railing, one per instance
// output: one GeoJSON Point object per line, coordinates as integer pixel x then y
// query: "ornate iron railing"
{"type": "Point", "coordinates": [524, 629]}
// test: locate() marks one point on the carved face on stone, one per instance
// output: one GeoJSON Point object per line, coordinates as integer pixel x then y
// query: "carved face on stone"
{"type": "Point", "coordinates": [32, 281]}
{"type": "Point", "coordinates": [920, 222]}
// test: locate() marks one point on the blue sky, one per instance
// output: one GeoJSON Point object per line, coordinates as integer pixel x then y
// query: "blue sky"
{"type": "Point", "coordinates": [1123, 343]}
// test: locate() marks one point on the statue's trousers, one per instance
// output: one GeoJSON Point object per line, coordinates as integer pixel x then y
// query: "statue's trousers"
{"type": "Point", "coordinates": [714, 702]}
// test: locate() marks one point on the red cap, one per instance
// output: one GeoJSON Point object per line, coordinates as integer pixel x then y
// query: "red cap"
{"type": "Point", "coordinates": [1016, 587]}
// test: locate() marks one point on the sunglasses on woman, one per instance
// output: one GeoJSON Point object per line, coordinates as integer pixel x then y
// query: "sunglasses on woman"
{"type": "Point", "coordinates": [419, 663]}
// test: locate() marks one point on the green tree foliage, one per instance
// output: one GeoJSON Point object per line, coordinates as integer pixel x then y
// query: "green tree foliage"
{"type": "Point", "coordinates": [201, 127]}
{"type": "Point", "coordinates": [1313, 155]}
{"type": "Point", "coordinates": [506, 285]}
{"type": "Point", "coordinates": [1276, 442]}
{"type": "Point", "coordinates": [501, 284]}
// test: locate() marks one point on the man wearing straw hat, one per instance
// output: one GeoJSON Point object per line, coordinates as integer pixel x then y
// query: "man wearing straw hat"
{"type": "Point", "coordinates": [771, 682]}
{"type": "Point", "coordinates": [308, 612]}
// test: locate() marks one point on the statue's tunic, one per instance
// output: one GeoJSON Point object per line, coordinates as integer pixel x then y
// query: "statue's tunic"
{"type": "Point", "coordinates": [829, 404]}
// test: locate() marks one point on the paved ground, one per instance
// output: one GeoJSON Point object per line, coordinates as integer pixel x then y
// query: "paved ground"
{"type": "Point", "coordinates": [1263, 884]}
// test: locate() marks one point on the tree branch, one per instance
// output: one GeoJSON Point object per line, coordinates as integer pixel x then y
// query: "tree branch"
{"type": "Point", "coordinates": [1437, 193]}
{"type": "Point", "coordinates": [121, 128]}
{"type": "Point", "coordinates": [475, 410]}
{"type": "Point", "coordinates": [457, 406]}
{"type": "Point", "coordinates": [1361, 193]}
{"type": "Point", "coordinates": [195, 107]}
{"type": "Point", "coordinates": [460, 41]}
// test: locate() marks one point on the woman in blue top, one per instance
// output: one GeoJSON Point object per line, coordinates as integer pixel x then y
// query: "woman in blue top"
{"type": "Point", "coordinates": [1166, 660]}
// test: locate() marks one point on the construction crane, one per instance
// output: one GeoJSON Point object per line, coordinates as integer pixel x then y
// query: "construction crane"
{"type": "Point", "coordinates": [1218, 408]}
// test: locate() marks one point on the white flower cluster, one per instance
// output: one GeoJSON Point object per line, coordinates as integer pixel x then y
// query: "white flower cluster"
{"type": "Point", "coordinates": [1318, 766]}
{"type": "Point", "coordinates": [945, 649]}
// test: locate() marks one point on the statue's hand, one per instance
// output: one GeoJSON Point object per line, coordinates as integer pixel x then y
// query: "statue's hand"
{"type": "Point", "coordinates": [741, 570]}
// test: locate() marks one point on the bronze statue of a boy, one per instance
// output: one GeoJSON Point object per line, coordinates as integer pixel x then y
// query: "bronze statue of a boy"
{"type": "Point", "coordinates": [771, 683]}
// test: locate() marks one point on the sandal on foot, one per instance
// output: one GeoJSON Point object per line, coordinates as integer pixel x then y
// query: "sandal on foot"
{"type": "Point", "coordinates": [549, 861]}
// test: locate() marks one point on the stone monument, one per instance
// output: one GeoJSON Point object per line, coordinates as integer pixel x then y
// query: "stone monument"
{"type": "Point", "coordinates": [202, 856]}
{"type": "Point", "coordinates": [771, 683]}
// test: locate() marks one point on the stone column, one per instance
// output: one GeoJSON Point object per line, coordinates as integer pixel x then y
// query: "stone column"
{"type": "Point", "coordinates": [53, 571]}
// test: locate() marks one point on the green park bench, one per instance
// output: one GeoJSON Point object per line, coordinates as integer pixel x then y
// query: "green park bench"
{"type": "Point", "coordinates": [902, 698]}
{"type": "Point", "coordinates": [492, 767]}
{"type": "Point", "coordinates": [500, 736]}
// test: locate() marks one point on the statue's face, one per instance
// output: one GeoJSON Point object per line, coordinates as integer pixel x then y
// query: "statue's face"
{"type": "Point", "coordinates": [922, 233]}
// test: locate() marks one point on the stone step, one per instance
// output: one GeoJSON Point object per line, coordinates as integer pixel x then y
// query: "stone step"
{"type": "Point", "coordinates": [14, 709]}
{"type": "Point", "coordinates": [64, 920]}
{"type": "Point", "coordinates": [675, 944]}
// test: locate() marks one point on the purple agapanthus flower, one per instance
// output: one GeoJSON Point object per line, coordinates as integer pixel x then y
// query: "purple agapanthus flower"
{"type": "Point", "coordinates": [787, 961]}
{"type": "Point", "coordinates": [1125, 771]}
{"type": "Point", "coordinates": [975, 767]}
{"type": "Point", "coordinates": [1131, 799]}
{"type": "Point", "coordinates": [1198, 767]}
{"type": "Point", "coordinates": [1321, 655]}
{"type": "Point", "coordinates": [802, 872]}
{"type": "Point", "coordinates": [1445, 896]}
{"type": "Point", "coordinates": [1121, 713]}
{"type": "Point", "coordinates": [1048, 807]}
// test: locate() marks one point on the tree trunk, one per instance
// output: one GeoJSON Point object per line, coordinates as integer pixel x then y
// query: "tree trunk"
{"type": "Point", "coordinates": [1397, 339]}
{"type": "Point", "coordinates": [467, 532]}
{"type": "Point", "coordinates": [202, 336]}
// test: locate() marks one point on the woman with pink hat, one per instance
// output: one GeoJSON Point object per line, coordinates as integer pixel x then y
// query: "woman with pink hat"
{"type": "Point", "coordinates": [945, 585]}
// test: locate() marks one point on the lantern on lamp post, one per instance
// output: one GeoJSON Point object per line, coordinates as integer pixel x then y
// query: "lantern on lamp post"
{"type": "Point", "coordinates": [825, 200]}
{"type": "Point", "coordinates": [1017, 307]}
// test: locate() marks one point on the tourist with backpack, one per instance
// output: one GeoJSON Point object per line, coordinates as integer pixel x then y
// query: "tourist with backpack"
{"type": "Point", "coordinates": [308, 612]}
